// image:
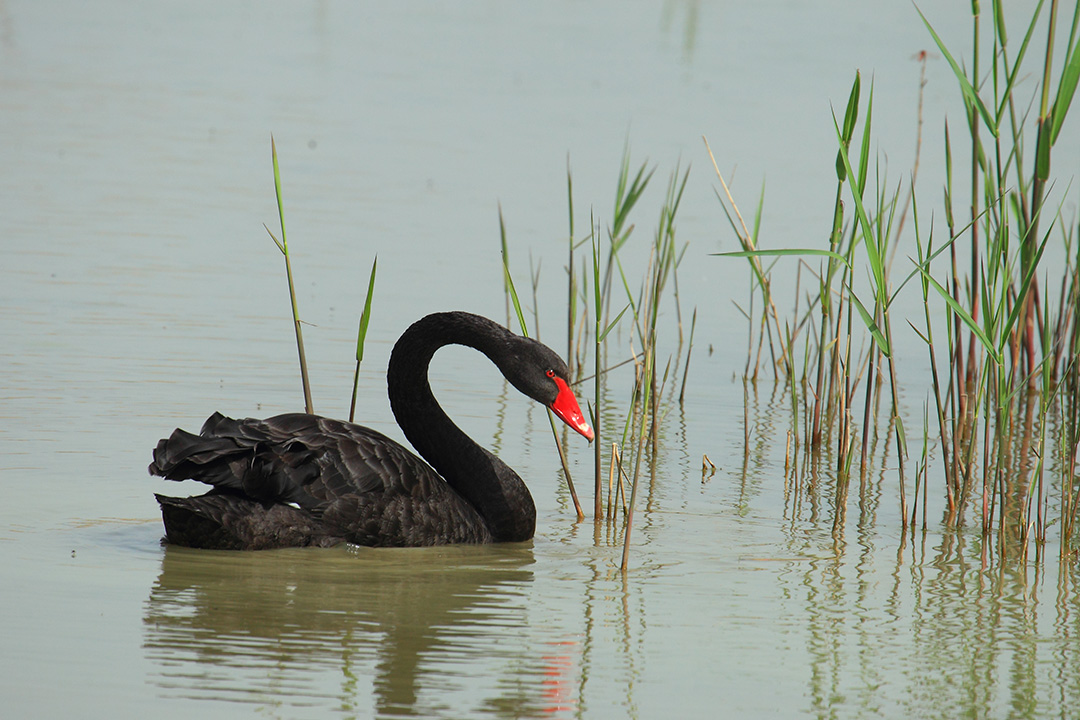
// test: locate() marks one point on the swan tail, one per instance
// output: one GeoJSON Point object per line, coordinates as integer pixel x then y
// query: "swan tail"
{"type": "Point", "coordinates": [240, 457]}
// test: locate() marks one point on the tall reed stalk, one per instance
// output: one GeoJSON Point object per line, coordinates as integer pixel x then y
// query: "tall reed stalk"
{"type": "Point", "coordinates": [283, 246]}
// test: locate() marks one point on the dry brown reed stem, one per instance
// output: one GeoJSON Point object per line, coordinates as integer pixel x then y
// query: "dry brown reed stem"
{"type": "Point", "coordinates": [566, 469]}
{"type": "Point", "coordinates": [646, 384]}
{"type": "Point", "coordinates": [707, 465]}
{"type": "Point", "coordinates": [787, 454]}
{"type": "Point", "coordinates": [617, 494]}
{"type": "Point", "coordinates": [598, 504]}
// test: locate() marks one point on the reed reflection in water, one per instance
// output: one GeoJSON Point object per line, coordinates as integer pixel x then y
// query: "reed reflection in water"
{"type": "Point", "coordinates": [941, 620]}
{"type": "Point", "coordinates": [296, 628]}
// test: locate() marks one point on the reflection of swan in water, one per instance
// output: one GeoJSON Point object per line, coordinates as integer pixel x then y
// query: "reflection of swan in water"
{"type": "Point", "coordinates": [266, 628]}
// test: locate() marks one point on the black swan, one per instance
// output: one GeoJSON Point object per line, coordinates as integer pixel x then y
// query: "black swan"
{"type": "Point", "coordinates": [299, 480]}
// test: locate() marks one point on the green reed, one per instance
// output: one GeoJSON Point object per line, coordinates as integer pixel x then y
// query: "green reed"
{"type": "Point", "coordinates": [600, 334]}
{"type": "Point", "coordinates": [365, 315]}
{"type": "Point", "coordinates": [283, 246]}
{"type": "Point", "coordinates": [599, 269]}
{"type": "Point", "coordinates": [361, 335]}
{"type": "Point", "coordinates": [644, 414]}
{"type": "Point", "coordinates": [664, 259]}
{"type": "Point", "coordinates": [1005, 372]}
{"type": "Point", "coordinates": [1012, 329]}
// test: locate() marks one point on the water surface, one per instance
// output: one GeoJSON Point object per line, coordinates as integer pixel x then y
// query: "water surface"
{"type": "Point", "coordinates": [141, 293]}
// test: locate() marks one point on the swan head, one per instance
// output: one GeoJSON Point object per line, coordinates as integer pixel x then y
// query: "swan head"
{"type": "Point", "coordinates": [537, 371]}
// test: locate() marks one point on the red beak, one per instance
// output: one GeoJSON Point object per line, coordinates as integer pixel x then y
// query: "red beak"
{"type": "Point", "coordinates": [566, 407]}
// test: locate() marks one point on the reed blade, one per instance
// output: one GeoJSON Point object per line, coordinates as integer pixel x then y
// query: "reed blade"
{"type": "Point", "coordinates": [283, 246]}
{"type": "Point", "coordinates": [361, 336]}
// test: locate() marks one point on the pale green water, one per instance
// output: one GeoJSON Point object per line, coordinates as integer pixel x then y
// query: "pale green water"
{"type": "Point", "coordinates": [140, 292]}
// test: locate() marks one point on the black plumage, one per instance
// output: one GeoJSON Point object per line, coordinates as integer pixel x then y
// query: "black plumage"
{"type": "Point", "coordinates": [299, 480]}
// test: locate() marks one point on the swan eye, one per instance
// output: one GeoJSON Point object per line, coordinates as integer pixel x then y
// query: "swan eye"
{"type": "Point", "coordinates": [550, 373]}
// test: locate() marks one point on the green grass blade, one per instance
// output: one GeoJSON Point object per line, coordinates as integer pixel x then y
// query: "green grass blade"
{"type": "Point", "coordinates": [570, 197]}
{"type": "Point", "coordinates": [964, 316]}
{"type": "Point", "coordinates": [868, 320]}
{"type": "Point", "coordinates": [965, 84]}
{"type": "Point", "coordinates": [864, 221]}
{"type": "Point", "coordinates": [864, 158]}
{"type": "Point", "coordinates": [274, 238]}
{"type": "Point", "coordinates": [1066, 90]}
{"type": "Point", "coordinates": [999, 23]}
{"type": "Point", "coordinates": [851, 115]}
{"type": "Point", "coordinates": [597, 290]}
{"type": "Point", "coordinates": [1025, 285]}
{"type": "Point", "coordinates": [612, 324]}
{"type": "Point", "coordinates": [514, 296]}
{"type": "Point", "coordinates": [283, 244]}
{"type": "Point", "coordinates": [627, 197]}
{"type": "Point", "coordinates": [784, 252]}
{"type": "Point", "coordinates": [1006, 94]}
{"type": "Point", "coordinates": [365, 317]}
{"type": "Point", "coordinates": [1042, 151]}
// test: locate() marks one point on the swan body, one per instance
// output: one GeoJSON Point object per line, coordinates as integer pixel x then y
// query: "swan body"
{"type": "Point", "coordinates": [299, 480]}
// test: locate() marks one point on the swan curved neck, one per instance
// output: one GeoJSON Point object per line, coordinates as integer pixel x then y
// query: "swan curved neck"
{"type": "Point", "coordinates": [487, 483]}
